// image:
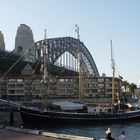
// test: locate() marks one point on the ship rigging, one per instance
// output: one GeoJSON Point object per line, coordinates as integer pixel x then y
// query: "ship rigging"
{"type": "Point", "coordinates": [77, 113]}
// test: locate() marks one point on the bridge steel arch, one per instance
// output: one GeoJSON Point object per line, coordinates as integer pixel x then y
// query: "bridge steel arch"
{"type": "Point", "coordinates": [58, 46]}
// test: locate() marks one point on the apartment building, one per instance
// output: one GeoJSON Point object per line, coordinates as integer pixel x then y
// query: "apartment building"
{"type": "Point", "coordinates": [28, 89]}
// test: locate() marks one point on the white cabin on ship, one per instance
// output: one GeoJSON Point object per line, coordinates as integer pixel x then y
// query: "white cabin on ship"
{"type": "Point", "coordinates": [100, 108]}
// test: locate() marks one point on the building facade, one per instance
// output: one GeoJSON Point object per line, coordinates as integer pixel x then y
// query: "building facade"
{"type": "Point", "coordinates": [2, 43]}
{"type": "Point", "coordinates": [24, 43]}
{"type": "Point", "coordinates": [28, 89]}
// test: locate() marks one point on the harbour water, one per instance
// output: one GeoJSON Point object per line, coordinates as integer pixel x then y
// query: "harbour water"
{"type": "Point", "coordinates": [132, 130]}
{"type": "Point", "coordinates": [97, 131]}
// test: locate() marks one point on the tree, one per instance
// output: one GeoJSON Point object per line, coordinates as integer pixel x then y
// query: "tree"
{"type": "Point", "coordinates": [125, 84]}
{"type": "Point", "coordinates": [132, 88]}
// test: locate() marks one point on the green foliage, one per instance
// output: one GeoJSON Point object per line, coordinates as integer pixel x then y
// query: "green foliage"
{"type": "Point", "coordinates": [130, 86]}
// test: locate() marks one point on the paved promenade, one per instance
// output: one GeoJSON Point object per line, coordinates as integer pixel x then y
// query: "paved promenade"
{"type": "Point", "coordinates": [12, 135]}
{"type": "Point", "coordinates": [15, 133]}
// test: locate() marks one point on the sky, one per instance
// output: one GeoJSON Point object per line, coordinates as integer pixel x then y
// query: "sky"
{"type": "Point", "coordinates": [98, 21]}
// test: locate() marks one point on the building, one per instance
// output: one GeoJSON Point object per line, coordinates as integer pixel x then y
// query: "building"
{"type": "Point", "coordinates": [27, 88]}
{"type": "Point", "coordinates": [2, 43]}
{"type": "Point", "coordinates": [24, 43]}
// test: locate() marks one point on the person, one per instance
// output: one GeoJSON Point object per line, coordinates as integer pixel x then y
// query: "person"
{"type": "Point", "coordinates": [122, 136]}
{"type": "Point", "coordinates": [108, 134]}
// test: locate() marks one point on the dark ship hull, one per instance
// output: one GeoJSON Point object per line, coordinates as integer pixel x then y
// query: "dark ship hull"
{"type": "Point", "coordinates": [33, 117]}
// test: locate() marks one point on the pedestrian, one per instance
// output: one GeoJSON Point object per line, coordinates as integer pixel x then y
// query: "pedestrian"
{"type": "Point", "coordinates": [122, 136]}
{"type": "Point", "coordinates": [108, 134]}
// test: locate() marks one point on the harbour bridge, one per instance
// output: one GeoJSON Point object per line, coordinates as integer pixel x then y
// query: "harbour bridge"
{"type": "Point", "coordinates": [63, 53]}
{"type": "Point", "coordinates": [62, 56]}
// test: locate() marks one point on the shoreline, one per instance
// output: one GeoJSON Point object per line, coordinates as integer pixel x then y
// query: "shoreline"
{"type": "Point", "coordinates": [11, 133]}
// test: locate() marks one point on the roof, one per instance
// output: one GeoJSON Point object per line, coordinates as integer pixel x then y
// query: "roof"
{"type": "Point", "coordinates": [28, 67]}
{"type": "Point", "coordinates": [69, 105]}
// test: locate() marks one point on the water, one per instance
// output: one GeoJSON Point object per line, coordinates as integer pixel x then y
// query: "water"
{"type": "Point", "coordinates": [132, 130]}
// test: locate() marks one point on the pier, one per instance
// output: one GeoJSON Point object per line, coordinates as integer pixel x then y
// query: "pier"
{"type": "Point", "coordinates": [9, 112]}
{"type": "Point", "coordinates": [14, 133]}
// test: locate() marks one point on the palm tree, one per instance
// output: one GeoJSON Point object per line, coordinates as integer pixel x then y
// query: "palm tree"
{"type": "Point", "coordinates": [132, 88]}
{"type": "Point", "coordinates": [125, 84]}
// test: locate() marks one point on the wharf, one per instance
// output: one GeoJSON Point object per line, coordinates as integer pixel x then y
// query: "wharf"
{"type": "Point", "coordinates": [15, 133]}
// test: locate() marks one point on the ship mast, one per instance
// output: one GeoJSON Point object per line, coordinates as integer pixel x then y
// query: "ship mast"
{"type": "Point", "coordinates": [45, 79]}
{"type": "Point", "coordinates": [113, 74]}
{"type": "Point", "coordinates": [79, 64]}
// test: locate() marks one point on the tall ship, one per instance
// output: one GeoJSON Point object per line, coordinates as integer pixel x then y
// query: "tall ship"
{"type": "Point", "coordinates": [77, 112]}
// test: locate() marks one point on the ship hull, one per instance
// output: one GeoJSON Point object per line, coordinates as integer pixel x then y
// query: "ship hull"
{"type": "Point", "coordinates": [44, 118]}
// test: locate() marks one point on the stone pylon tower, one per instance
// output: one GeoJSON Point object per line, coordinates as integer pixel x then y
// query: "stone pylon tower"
{"type": "Point", "coordinates": [24, 42]}
{"type": "Point", "coordinates": [2, 44]}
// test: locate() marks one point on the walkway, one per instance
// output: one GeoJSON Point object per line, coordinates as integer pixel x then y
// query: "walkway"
{"type": "Point", "coordinates": [12, 135]}
{"type": "Point", "coordinates": [15, 133]}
